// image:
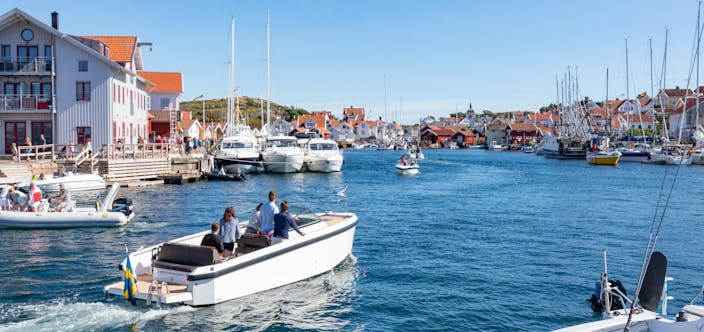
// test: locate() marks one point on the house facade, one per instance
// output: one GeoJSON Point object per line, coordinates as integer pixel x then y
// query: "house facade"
{"type": "Point", "coordinates": [70, 88]}
{"type": "Point", "coordinates": [164, 100]}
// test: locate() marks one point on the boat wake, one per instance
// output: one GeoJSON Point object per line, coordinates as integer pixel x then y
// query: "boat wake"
{"type": "Point", "coordinates": [60, 315]}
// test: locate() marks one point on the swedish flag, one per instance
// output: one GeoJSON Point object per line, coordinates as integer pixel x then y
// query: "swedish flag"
{"type": "Point", "coordinates": [130, 287]}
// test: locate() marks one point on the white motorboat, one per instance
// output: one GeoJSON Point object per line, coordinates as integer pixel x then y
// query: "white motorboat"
{"type": "Point", "coordinates": [282, 155]}
{"type": "Point", "coordinates": [72, 181]}
{"type": "Point", "coordinates": [494, 146]}
{"type": "Point", "coordinates": [322, 155]}
{"type": "Point", "coordinates": [416, 153]}
{"type": "Point", "coordinates": [411, 168]}
{"type": "Point", "coordinates": [239, 153]}
{"type": "Point", "coordinates": [181, 271]}
{"type": "Point", "coordinates": [109, 212]}
{"type": "Point", "coordinates": [639, 152]}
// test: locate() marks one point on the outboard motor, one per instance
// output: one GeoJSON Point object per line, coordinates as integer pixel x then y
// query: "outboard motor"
{"type": "Point", "coordinates": [598, 303]}
{"type": "Point", "coordinates": [123, 205]}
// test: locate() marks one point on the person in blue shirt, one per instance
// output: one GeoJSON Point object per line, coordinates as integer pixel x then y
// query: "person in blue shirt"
{"type": "Point", "coordinates": [283, 222]}
{"type": "Point", "coordinates": [229, 229]}
{"type": "Point", "coordinates": [267, 213]}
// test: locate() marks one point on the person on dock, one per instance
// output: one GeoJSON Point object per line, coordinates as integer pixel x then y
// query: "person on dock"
{"type": "Point", "coordinates": [60, 201]}
{"type": "Point", "coordinates": [15, 152]}
{"type": "Point", "coordinates": [283, 222]}
{"type": "Point", "coordinates": [28, 142]}
{"type": "Point", "coordinates": [255, 225]}
{"type": "Point", "coordinates": [267, 213]}
{"type": "Point", "coordinates": [229, 229]}
{"type": "Point", "coordinates": [213, 239]}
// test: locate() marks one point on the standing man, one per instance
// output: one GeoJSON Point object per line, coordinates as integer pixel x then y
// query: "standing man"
{"type": "Point", "coordinates": [267, 213]}
{"type": "Point", "coordinates": [283, 222]}
{"type": "Point", "coordinates": [35, 197]}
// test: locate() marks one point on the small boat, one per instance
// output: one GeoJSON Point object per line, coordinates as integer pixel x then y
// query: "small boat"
{"type": "Point", "coordinates": [411, 168]}
{"type": "Point", "coordinates": [528, 149]}
{"type": "Point", "coordinates": [603, 157]}
{"type": "Point", "coordinates": [109, 212]}
{"type": "Point", "coordinates": [72, 181]}
{"type": "Point", "coordinates": [181, 271]}
{"type": "Point", "coordinates": [493, 146]}
{"type": "Point", "coordinates": [416, 153]}
{"type": "Point", "coordinates": [212, 176]}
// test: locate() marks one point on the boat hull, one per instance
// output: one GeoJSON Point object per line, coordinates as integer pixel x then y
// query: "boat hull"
{"type": "Point", "coordinates": [78, 182]}
{"type": "Point", "coordinates": [325, 246]}
{"type": "Point", "coordinates": [44, 220]}
{"type": "Point", "coordinates": [608, 159]}
{"type": "Point", "coordinates": [235, 164]}
{"type": "Point", "coordinates": [325, 165]}
{"type": "Point", "coordinates": [407, 170]}
{"type": "Point", "coordinates": [282, 162]}
{"type": "Point", "coordinates": [634, 156]}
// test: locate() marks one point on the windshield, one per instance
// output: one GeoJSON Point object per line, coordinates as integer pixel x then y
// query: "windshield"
{"type": "Point", "coordinates": [323, 146]}
{"type": "Point", "coordinates": [281, 143]}
{"type": "Point", "coordinates": [305, 215]}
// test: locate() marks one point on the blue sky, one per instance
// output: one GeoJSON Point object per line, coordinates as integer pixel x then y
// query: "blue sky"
{"type": "Point", "coordinates": [437, 56]}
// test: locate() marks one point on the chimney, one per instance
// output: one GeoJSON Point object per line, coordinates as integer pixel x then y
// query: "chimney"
{"type": "Point", "coordinates": [55, 20]}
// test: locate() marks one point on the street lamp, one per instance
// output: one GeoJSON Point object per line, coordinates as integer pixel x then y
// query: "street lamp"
{"type": "Point", "coordinates": [201, 97]}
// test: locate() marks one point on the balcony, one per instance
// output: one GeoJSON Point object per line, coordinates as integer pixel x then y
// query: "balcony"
{"type": "Point", "coordinates": [25, 66]}
{"type": "Point", "coordinates": [25, 102]}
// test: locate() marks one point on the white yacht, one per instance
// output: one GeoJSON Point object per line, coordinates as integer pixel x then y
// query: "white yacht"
{"type": "Point", "coordinates": [322, 155]}
{"type": "Point", "coordinates": [282, 155]}
{"type": "Point", "coordinates": [239, 153]}
{"type": "Point", "coordinates": [181, 271]}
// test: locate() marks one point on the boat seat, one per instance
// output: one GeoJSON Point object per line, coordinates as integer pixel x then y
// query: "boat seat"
{"type": "Point", "coordinates": [184, 257]}
{"type": "Point", "coordinates": [247, 244]}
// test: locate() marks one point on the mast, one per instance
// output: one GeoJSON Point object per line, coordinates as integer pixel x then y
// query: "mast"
{"type": "Point", "coordinates": [606, 104]}
{"type": "Point", "coordinates": [231, 83]}
{"type": "Point", "coordinates": [663, 84]}
{"type": "Point", "coordinates": [628, 118]}
{"type": "Point", "coordinates": [385, 115]}
{"type": "Point", "coordinates": [236, 106]}
{"type": "Point", "coordinates": [699, 37]}
{"type": "Point", "coordinates": [268, 73]}
{"type": "Point", "coordinates": [652, 93]}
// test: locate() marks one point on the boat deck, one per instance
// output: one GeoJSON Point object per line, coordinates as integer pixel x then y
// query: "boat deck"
{"type": "Point", "coordinates": [332, 219]}
{"type": "Point", "coordinates": [143, 283]}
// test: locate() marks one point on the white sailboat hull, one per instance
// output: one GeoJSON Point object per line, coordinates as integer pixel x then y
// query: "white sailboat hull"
{"type": "Point", "coordinates": [408, 169]}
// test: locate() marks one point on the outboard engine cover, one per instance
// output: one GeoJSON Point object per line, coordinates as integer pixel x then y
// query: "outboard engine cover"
{"type": "Point", "coordinates": [123, 205]}
{"type": "Point", "coordinates": [597, 303]}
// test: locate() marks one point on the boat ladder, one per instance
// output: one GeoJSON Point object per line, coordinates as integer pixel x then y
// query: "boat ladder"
{"type": "Point", "coordinates": [155, 289]}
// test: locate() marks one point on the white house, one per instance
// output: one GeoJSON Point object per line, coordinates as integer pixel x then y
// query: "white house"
{"type": "Point", "coordinates": [341, 131]}
{"type": "Point", "coordinates": [70, 88]}
{"type": "Point", "coordinates": [281, 126]}
{"type": "Point", "coordinates": [164, 100]}
{"type": "Point", "coordinates": [366, 130]}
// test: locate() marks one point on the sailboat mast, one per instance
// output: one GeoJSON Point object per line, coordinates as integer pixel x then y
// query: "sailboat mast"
{"type": "Point", "coordinates": [236, 119]}
{"type": "Point", "coordinates": [606, 104]}
{"type": "Point", "coordinates": [628, 116]}
{"type": "Point", "coordinates": [652, 93]}
{"type": "Point", "coordinates": [268, 73]}
{"type": "Point", "coordinates": [385, 115]}
{"type": "Point", "coordinates": [699, 37]}
{"type": "Point", "coordinates": [663, 86]}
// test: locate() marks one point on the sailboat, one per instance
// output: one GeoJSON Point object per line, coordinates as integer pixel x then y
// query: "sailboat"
{"type": "Point", "coordinates": [238, 151]}
{"type": "Point", "coordinates": [601, 153]}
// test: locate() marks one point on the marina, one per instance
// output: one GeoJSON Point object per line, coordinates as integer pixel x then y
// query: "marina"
{"type": "Point", "coordinates": [389, 271]}
{"type": "Point", "coordinates": [256, 168]}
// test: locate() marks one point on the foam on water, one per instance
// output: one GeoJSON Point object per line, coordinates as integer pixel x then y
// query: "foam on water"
{"type": "Point", "coordinates": [61, 315]}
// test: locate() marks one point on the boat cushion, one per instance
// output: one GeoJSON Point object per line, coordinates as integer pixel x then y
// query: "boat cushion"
{"type": "Point", "coordinates": [256, 242]}
{"type": "Point", "coordinates": [184, 257]}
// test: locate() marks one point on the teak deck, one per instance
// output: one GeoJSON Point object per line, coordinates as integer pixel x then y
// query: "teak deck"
{"type": "Point", "coordinates": [143, 283]}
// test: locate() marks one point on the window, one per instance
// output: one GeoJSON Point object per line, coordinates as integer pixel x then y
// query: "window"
{"type": "Point", "coordinates": [82, 91]}
{"type": "Point", "coordinates": [165, 103]}
{"type": "Point", "coordinates": [82, 65]}
{"type": "Point", "coordinates": [39, 128]}
{"type": "Point", "coordinates": [82, 135]}
{"type": "Point", "coordinates": [47, 51]}
{"type": "Point", "coordinates": [5, 53]}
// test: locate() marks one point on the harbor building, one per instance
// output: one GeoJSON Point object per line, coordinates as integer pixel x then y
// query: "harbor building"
{"type": "Point", "coordinates": [70, 88]}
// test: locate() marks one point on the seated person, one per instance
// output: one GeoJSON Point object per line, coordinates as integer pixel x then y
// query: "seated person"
{"type": "Point", "coordinates": [61, 200]}
{"type": "Point", "coordinates": [283, 222]}
{"type": "Point", "coordinates": [212, 239]}
{"type": "Point", "coordinates": [255, 225]}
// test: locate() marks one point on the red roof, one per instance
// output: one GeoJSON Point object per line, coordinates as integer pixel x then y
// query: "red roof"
{"type": "Point", "coordinates": [121, 47]}
{"type": "Point", "coordinates": [168, 82]}
{"type": "Point", "coordinates": [539, 116]}
{"type": "Point", "coordinates": [523, 126]}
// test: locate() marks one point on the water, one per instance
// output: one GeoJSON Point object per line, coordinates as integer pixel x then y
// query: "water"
{"type": "Point", "coordinates": [479, 241]}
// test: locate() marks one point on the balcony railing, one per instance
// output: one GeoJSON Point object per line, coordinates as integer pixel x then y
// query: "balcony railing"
{"type": "Point", "coordinates": [25, 65]}
{"type": "Point", "coordinates": [24, 102]}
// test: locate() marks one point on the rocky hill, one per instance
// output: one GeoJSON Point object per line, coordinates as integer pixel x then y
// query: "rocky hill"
{"type": "Point", "coordinates": [216, 109]}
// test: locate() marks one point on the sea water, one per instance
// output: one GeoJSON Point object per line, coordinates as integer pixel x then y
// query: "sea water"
{"type": "Point", "coordinates": [479, 241]}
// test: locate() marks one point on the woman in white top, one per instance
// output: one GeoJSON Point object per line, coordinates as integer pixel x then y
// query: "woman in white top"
{"type": "Point", "coordinates": [255, 224]}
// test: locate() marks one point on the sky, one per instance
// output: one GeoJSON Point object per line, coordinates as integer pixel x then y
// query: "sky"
{"type": "Point", "coordinates": [401, 60]}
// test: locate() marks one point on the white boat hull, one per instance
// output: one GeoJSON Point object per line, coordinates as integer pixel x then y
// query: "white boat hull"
{"type": "Point", "coordinates": [408, 169]}
{"type": "Point", "coordinates": [324, 164]}
{"type": "Point", "coordinates": [325, 246]}
{"type": "Point", "coordinates": [14, 219]}
{"type": "Point", "coordinates": [282, 162]}
{"type": "Point", "coordinates": [75, 182]}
